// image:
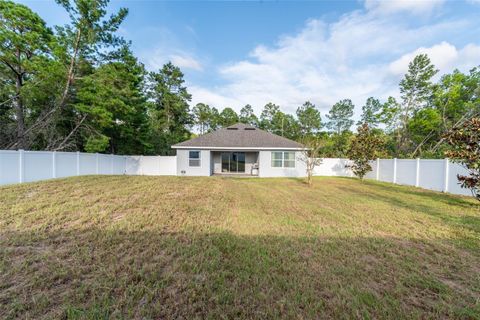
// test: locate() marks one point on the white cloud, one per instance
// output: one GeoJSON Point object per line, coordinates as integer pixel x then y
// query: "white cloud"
{"type": "Point", "coordinates": [167, 47]}
{"type": "Point", "coordinates": [155, 59]}
{"type": "Point", "coordinates": [186, 62]}
{"type": "Point", "coordinates": [444, 56]}
{"type": "Point", "coordinates": [358, 56]}
{"type": "Point", "coordinates": [411, 6]}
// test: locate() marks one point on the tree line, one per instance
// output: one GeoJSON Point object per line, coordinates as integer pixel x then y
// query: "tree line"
{"type": "Point", "coordinates": [414, 125]}
{"type": "Point", "coordinates": [79, 87]}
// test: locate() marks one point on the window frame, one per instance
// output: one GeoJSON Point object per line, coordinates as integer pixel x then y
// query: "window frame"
{"type": "Point", "coordinates": [282, 159]}
{"type": "Point", "coordinates": [275, 159]}
{"type": "Point", "coordinates": [292, 160]}
{"type": "Point", "coordinates": [199, 159]}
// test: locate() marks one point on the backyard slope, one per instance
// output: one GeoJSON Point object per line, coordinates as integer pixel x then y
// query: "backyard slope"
{"type": "Point", "coordinates": [179, 247]}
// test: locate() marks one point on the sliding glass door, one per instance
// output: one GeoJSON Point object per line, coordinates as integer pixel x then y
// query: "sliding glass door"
{"type": "Point", "coordinates": [233, 162]}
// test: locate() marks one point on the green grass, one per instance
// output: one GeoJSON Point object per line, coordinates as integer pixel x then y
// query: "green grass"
{"type": "Point", "coordinates": [114, 247]}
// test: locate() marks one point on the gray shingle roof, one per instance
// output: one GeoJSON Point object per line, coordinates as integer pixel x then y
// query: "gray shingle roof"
{"type": "Point", "coordinates": [239, 136]}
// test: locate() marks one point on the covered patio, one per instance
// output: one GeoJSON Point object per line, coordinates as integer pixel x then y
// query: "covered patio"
{"type": "Point", "coordinates": [238, 163]}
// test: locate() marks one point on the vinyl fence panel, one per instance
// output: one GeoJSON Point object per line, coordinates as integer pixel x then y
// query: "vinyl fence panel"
{"type": "Point", "coordinates": [133, 165]}
{"type": "Point", "coordinates": [37, 165]}
{"type": "Point", "coordinates": [406, 171]}
{"type": "Point", "coordinates": [88, 163]}
{"type": "Point", "coordinates": [105, 164]}
{"type": "Point", "coordinates": [432, 174]}
{"type": "Point", "coordinates": [119, 165]}
{"type": "Point", "coordinates": [333, 167]}
{"type": "Point", "coordinates": [9, 167]}
{"type": "Point", "coordinates": [66, 164]}
{"type": "Point", "coordinates": [386, 170]}
{"type": "Point", "coordinates": [453, 184]}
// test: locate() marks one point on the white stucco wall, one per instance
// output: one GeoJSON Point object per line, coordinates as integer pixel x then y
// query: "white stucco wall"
{"type": "Point", "coordinates": [266, 169]}
{"type": "Point", "coordinates": [183, 169]}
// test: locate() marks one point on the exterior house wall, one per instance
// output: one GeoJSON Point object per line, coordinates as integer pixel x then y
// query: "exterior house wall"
{"type": "Point", "coordinates": [266, 169]}
{"type": "Point", "coordinates": [183, 169]}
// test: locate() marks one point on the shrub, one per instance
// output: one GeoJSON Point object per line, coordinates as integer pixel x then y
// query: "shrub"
{"type": "Point", "coordinates": [364, 148]}
{"type": "Point", "coordinates": [464, 148]}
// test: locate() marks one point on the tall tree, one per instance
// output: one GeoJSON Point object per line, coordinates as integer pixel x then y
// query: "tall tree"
{"type": "Point", "coordinates": [169, 108]}
{"type": "Point", "coordinates": [84, 42]}
{"type": "Point", "coordinates": [309, 119]}
{"type": "Point", "coordinates": [201, 115]}
{"type": "Point", "coordinates": [286, 125]}
{"type": "Point", "coordinates": [248, 116]}
{"type": "Point", "coordinates": [213, 120]}
{"type": "Point", "coordinates": [389, 114]}
{"type": "Point", "coordinates": [457, 100]}
{"type": "Point", "coordinates": [227, 117]}
{"type": "Point", "coordinates": [416, 91]}
{"type": "Point", "coordinates": [340, 116]}
{"type": "Point", "coordinates": [25, 42]}
{"type": "Point", "coordinates": [371, 113]}
{"type": "Point", "coordinates": [113, 107]}
{"type": "Point", "coordinates": [267, 116]}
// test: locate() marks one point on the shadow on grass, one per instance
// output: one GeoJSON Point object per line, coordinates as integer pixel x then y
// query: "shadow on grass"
{"type": "Point", "coordinates": [401, 196]}
{"type": "Point", "coordinates": [92, 273]}
{"type": "Point", "coordinates": [445, 198]}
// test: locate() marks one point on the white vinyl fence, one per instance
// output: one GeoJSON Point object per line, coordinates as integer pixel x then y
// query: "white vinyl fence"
{"type": "Point", "coordinates": [151, 165]}
{"type": "Point", "coordinates": [438, 175]}
{"type": "Point", "coordinates": [26, 166]}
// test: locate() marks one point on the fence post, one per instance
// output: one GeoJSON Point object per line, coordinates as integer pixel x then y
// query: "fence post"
{"type": "Point", "coordinates": [394, 170]}
{"type": "Point", "coordinates": [140, 164]}
{"type": "Point", "coordinates": [78, 163]}
{"type": "Point", "coordinates": [54, 164]}
{"type": "Point", "coordinates": [125, 165]}
{"type": "Point", "coordinates": [111, 163]}
{"type": "Point", "coordinates": [20, 166]}
{"type": "Point", "coordinates": [96, 163]}
{"type": "Point", "coordinates": [417, 173]}
{"type": "Point", "coordinates": [159, 165]}
{"type": "Point", "coordinates": [446, 173]}
{"type": "Point", "coordinates": [378, 169]}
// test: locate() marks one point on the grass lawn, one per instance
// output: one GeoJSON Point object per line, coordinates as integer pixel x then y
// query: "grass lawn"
{"type": "Point", "coordinates": [184, 248]}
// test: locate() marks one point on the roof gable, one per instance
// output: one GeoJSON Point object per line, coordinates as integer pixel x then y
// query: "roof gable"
{"type": "Point", "coordinates": [240, 136]}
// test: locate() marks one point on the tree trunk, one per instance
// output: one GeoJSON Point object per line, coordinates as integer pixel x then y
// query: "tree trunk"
{"type": "Point", "coordinates": [18, 104]}
{"type": "Point", "coordinates": [19, 114]}
{"type": "Point", "coordinates": [71, 69]}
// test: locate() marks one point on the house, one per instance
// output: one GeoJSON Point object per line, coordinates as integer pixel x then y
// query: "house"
{"type": "Point", "coordinates": [240, 150]}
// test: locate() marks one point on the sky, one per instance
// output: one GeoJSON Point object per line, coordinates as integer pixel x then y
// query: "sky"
{"type": "Point", "coordinates": [255, 52]}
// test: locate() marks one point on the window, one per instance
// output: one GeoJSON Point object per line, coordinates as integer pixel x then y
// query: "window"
{"type": "Point", "coordinates": [277, 159]}
{"type": "Point", "coordinates": [194, 158]}
{"type": "Point", "coordinates": [289, 159]}
{"type": "Point", "coordinates": [285, 159]}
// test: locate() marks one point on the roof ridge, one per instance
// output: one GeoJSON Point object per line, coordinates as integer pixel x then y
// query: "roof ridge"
{"type": "Point", "coordinates": [240, 138]}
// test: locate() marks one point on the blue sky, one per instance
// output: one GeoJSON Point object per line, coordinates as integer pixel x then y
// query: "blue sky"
{"type": "Point", "coordinates": [233, 53]}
